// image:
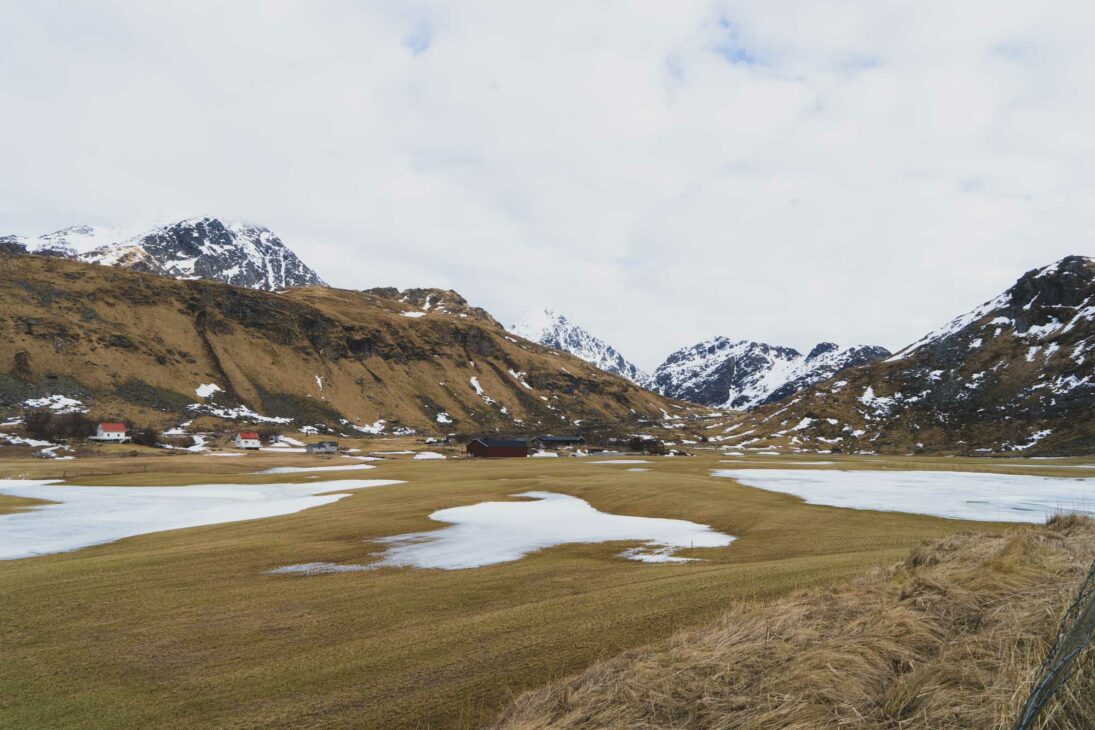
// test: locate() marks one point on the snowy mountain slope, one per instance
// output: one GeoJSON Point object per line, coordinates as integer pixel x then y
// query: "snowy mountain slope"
{"type": "Point", "coordinates": [197, 248]}
{"type": "Point", "coordinates": [69, 242]}
{"type": "Point", "coordinates": [555, 330]}
{"type": "Point", "coordinates": [726, 374]}
{"type": "Point", "coordinates": [208, 248]}
{"type": "Point", "coordinates": [1014, 374]}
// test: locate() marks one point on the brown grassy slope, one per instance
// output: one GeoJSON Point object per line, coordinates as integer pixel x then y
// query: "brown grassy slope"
{"type": "Point", "coordinates": [138, 345]}
{"type": "Point", "coordinates": [948, 638]}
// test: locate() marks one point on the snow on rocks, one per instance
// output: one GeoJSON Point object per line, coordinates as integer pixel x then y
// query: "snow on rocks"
{"type": "Point", "coordinates": [207, 390]}
{"type": "Point", "coordinates": [56, 404]}
{"type": "Point", "coordinates": [238, 413]}
{"type": "Point", "coordinates": [77, 517]}
{"type": "Point", "coordinates": [957, 495]}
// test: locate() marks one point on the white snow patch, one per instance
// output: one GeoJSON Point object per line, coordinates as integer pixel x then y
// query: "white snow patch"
{"type": "Point", "coordinates": [428, 456]}
{"type": "Point", "coordinates": [56, 403]}
{"type": "Point", "coordinates": [957, 495]}
{"type": "Point", "coordinates": [206, 390]}
{"type": "Point", "coordinates": [299, 469]}
{"type": "Point", "coordinates": [498, 532]}
{"type": "Point", "coordinates": [81, 516]}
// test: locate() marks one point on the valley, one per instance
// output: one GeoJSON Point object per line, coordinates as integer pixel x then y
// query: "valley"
{"type": "Point", "coordinates": [200, 619]}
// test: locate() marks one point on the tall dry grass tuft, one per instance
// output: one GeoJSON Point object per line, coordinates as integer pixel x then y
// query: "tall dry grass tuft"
{"type": "Point", "coordinates": [949, 638]}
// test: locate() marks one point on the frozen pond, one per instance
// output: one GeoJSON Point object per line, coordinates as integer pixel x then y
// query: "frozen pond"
{"type": "Point", "coordinates": [84, 516]}
{"type": "Point", "coordinates": [498, 532]}
{"type": "Point", "coordinates": [959, 495]}
{"type": "Point", "coordinates": [300, 469]}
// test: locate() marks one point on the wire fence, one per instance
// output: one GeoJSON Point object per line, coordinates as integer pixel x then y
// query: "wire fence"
{"type": "Point", "coordinates": [1074, 634]}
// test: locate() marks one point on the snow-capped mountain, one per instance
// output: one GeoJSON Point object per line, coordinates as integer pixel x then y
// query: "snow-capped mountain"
{"type": "Point", "coordinates": [1014, 374]}
{"type": "Point", "coordinates": [196, 248]}
{"type": "Point", "coordinates": [726, 374]}
{"type": "Point", "coordinates": [555, 330]}
{"type": "Point", "coordinates": [69, 242]}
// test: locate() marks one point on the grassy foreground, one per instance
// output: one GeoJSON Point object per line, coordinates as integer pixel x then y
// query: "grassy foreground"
{"type": "Point", "coordinates": [948, 638]}
{"type": "Point", "coordinates": [186, 627]}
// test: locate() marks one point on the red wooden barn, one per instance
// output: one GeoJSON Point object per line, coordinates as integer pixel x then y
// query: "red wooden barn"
{"type": "Point", "coordinates": [497, 448]}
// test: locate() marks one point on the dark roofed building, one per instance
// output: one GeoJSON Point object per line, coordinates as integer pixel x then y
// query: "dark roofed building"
{"type": "Point", "coordinates": [555, 442]}
{"type": "Point", "coordinates": [498, 448]}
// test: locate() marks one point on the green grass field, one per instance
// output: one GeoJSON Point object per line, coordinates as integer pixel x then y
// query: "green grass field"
{"type": "Point", "coordinates": [186, 627]}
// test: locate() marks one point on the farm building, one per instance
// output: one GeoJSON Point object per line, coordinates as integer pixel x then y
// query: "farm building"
{"type": "Point", "coordinates": [247, 440]}
{"type": "Point", "coordinates": [556, 442]}
{"type": "Point", "coordinates": [322, 447]}
{"type": "Point", "coordinates": [498, 448]}
{"type": "Point", "coordinates": [111, 431]}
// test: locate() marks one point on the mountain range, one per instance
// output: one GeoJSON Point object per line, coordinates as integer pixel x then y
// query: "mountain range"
{"type": "Point", "coordinates": [1014, 374]}
{"type": "Point", "coordinates": [197, 248]}
{"type": "Point", "coordinates": [719, 372]}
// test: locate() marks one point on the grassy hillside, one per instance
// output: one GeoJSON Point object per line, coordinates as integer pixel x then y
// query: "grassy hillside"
{"type": "Point", "coordinates": [137, 346]}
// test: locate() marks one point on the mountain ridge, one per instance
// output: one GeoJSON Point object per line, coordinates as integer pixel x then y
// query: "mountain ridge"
{"type": "Point", "coordinates": [158, 350]}
{"type": "Point", "coordinates": [723, 373]}
{"type": "Point", "coordinates": [550, 329]}
{"type": "Point", "coordinates": [1015, 374]}
{"type": "Point", "coordinates": [194, 248]}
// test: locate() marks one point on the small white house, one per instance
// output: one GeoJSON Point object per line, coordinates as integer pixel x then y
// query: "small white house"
{"type": "Point", "coordinates": [247, 440]}
{"type": "Point", "coordinates": [108, 431]}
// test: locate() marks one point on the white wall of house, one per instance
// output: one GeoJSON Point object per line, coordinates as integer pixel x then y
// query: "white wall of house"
{"type": "Point", "coordinates": [247, 443]}
{"type": "Point", "coordinates": [101, 435]}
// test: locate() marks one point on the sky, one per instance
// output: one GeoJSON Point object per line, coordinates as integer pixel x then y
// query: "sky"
{"type": "Point", "coordinates": [661, 173]}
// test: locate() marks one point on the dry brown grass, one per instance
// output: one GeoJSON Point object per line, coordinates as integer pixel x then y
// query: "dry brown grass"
{"type": "Point", "coordinates": [948, 638]}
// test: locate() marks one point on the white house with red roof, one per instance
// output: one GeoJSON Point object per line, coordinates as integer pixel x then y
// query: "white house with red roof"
{"type": "Point", "coordinates": [247, 440]}
{"type": "Point", "coordinates": [111, 431]}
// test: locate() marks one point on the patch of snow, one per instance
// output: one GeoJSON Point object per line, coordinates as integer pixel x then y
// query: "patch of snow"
{"type": "Point", "coordinates": [957, 495]}
{"type": "Point", "coordinates": [498, 532]}
{"type": "Point", "coordinates": [413, 315]}
{"type": "Point", "coordinates": [444, 417]}
{"type": "Point", "coordinates": [299, 469]}
{"type": "Point", "coordinates": [621, 461]}
{"type": "Point", "coordinates": [56, 404]}
{"type": "Point", "coordinates": [205, 390]}
{"type": "Point", "coordinates": [78, 517]}
{"type": "Point", "coordinates": [428, 456]}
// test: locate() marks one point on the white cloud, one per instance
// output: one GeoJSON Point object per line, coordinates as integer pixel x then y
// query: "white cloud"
{"type": "Point", "coordinates": [782, 171]}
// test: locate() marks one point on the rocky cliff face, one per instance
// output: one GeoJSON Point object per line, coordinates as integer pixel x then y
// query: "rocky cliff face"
{"type": "Point", "coordinates": [726, 374]}
{"type": "Point", "coordinates": [198, 248]}
{"type": "Point", "coordinates": [555, 330]}
{"type": "Point", "coordinates": [1016, 374]}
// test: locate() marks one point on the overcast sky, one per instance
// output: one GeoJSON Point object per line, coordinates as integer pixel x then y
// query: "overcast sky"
{"type": "Point", "coordinates": [660, 172]}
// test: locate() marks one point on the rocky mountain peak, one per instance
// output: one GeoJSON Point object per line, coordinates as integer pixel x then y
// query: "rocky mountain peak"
{"type": "Point", "coordinates": [196, 248]}
{"type": "Point", "coordinates": [551, 329]}
{"type": "Point", "coordinates": [1012, 375]}
{"type": "Point", "coordinates": [723, 373]}
{"type": "Point", "coordinates": [822, 348]}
